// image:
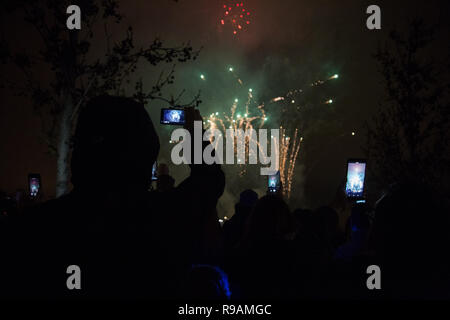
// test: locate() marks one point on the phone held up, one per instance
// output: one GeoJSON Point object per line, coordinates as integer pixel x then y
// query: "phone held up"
{"type": "Point", "coordinates": [356, 173]}
{"type": "Point", "coordinates": [34, 184]}
{"type": "Point", "coordinates": [154, 171]}
{"type": "Point", "coordinates": [274, 184]}
{"type": "Point", "coordinates": [172, 116]}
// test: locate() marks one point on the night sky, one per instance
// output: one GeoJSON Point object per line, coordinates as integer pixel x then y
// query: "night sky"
{"type": "Point", "coordinates": [287, 45]}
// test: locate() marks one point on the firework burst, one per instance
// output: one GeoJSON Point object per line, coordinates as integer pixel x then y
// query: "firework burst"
{"type": "Point", "coordinates": [253, 116]}
{"type": "Point", "coordinates": [235, 15]}
{"type": "Point", "coordinates": [248, 114]}
{"type": "Point", "coordinates": [288, 153]}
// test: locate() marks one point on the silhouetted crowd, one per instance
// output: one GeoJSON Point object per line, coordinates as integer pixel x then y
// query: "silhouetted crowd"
{"type": "Point", "coordinates": [131, 242]}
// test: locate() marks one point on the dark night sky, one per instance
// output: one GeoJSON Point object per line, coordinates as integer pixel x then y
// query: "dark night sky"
{"type": "Point", "coordinates": [302, 40]}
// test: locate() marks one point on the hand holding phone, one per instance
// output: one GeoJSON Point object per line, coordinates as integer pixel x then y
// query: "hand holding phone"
{"type": "Point", "coordinates": [192, 114]}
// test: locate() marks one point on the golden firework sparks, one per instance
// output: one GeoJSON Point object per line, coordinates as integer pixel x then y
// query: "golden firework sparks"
{"type": "Point", "coordinates": [288, 153]}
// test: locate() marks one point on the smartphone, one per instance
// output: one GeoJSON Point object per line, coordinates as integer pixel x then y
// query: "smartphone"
{"type": "Point", "coordinates": [34, 184]}
{"type": "Point", "coordinates": [274, 182]}
{"type": "Point", "coordinates": [356, 173]}
{"type": "Point", "coordinates": [172, 116]}
{"type": "Point", "coordinates": [154, 171]}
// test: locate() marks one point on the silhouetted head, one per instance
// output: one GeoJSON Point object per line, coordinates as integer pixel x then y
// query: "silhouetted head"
{"type": "Point", "coordinates": [115, 145]}
{"type": "Point", "coordinates": [270, 220]}
{"type": "Point", "coordinates": [248, 198]}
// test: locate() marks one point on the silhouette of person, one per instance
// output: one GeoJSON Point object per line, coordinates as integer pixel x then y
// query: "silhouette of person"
{"type": "Point", "coordinates": [411, 243]}
{"type": "Point", "coordinates": [109, 225]}
{"type": "Point", "coordinates": [234, 227]}
{"type": "Point", "coordinates": [266, 255]}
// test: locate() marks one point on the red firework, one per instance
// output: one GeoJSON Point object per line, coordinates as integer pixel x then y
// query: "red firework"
{"type": "Point", "coordinates": [236, 16]}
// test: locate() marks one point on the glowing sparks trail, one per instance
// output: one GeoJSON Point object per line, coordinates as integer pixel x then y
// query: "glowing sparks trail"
{"type": "Point", "coordinates": [246, 114]}
{"type": "Point", "coordinates": [293, 93]}
{"type": "Point", "coordinates": [254, 117]}
{"type": "Point", "coordinates": [240, 124]}
{"type": "Point", "coordinates": [288, 152]}
{"type": "Point", "coordinates": [230, 69]}
{"type": "Point", "coordinates": [277, 99]}
{"type": "Point", "coordinates": [290, 147]}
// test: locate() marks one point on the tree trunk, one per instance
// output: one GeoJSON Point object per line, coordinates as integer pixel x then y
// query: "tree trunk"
{"type": "Point", "coordinates": [65, 129]}
{"type": "Point", "coordinates": [62, 162]}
